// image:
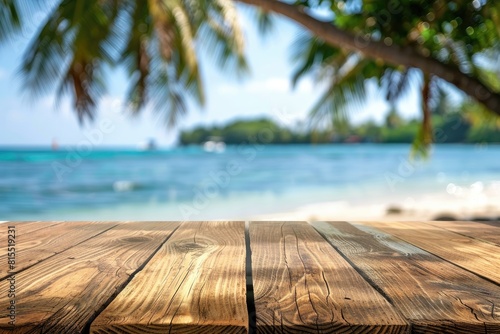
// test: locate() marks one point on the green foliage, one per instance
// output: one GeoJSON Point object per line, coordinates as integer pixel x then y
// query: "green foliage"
{"type": "Point", "coordinates": [461, 34]}
{"type": "Point", "coordinates": [404, 133]}
{"type": "Point", "coordinates": [10, 20]}
{"type": "Point", "coordinates": [451, 128]}
{"type": "Point", "coordinates": [153, 39]}
{"type": "Point", "coordinates": [160, 42]}
{"type": "Point", "coordinates": [486, 133]}
{"type": "Point", "coordinates": [467, 123]}
{"type": "Point", "coordinates": [452, 31]}
{"type": "Point", "coordinates": [259, 131]}
{"type": "Point", "coordinates": [484, 127]}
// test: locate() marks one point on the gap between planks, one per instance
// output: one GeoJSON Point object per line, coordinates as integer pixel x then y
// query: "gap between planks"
{"type": "Point", "coordinates": [445, 297]}
{"type": "Point", "coordinates": [249, 277]}
{"type": "Point", "coordinates": [473, 255]}
{"type": "Point", "coordinates": [294, 268]}
{"type": "Point", "coordinates": [202, 285]}
{"type": "Point", "coordinates": [86, 329]}
{"type": "Point", "coordinates": [71, 311]}
{"type": "Point", "coordinates": [111, 319]}
{"type": "Point", "coordinates": [252, 313]}
{"type": "Point", "coordinates": [488, 232]}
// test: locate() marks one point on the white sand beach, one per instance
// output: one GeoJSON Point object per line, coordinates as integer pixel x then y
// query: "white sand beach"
{"type": "Point", "coordinates": [474, 203]}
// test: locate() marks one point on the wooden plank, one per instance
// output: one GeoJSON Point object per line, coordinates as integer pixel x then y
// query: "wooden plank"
{"type": "Point", "coordinates": [476, 230]}
{"type": "Point", "coordinates": [435, 295]}
{"type": "Point", "coordinates": [32, 226]}
{"type": "Point", "coordinates": [471, 254]}
{"type": "Point", "coordinates": [301, 284]}
{"type": "Point", "coordinates": [194, 284]}
{"type": "Point", "coordinates": [63, 293]}
{"type": "Point", "coordinates": [38, 241]}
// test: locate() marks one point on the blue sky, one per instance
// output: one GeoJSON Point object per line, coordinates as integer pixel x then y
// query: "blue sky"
{"type": "Point", "coordinates": [265, 92]}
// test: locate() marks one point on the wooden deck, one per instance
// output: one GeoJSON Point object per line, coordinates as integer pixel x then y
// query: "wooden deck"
{"type": "Point", "coordinates": [237, 277]}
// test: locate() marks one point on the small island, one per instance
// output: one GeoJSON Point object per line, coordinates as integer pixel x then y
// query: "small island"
{"type": "Point", "coordinates": [462, 125]}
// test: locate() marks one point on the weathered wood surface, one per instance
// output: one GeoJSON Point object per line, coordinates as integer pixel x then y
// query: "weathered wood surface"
{"type": "Point", "coordinates": [301, 284]}
{"type": "Point", "coordinates": [194, 284]}
{"type": "Point", "coordinates": [30, 226]}
{"type": "Point", "coordinates": [479, 257]}
{"type": "Point", "coordinates": [484, 231]}
{"type": "Point", "coordinates": [63, 293]}
{"type": "Point", "coordinates": [434, 295]}
{"type": "Point", "coordinates": [190, 277]}
{"type": "Point", "coordinates": [38, 241]}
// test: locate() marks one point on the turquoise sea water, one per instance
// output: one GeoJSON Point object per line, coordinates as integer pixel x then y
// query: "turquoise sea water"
{"type": "Point", "coordinates": [189, 183]}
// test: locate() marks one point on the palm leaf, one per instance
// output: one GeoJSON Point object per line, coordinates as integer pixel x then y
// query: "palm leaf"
{"type": "Point", "coordinates": [423, 140]}
{"type": "Point", "coordinates": [10, 18]}
{"type": "Point", "coordinates": [312, 54]}
{"type": "Point", "coordinates": [164, 25]}
{"type": "Point", "coordinates": [167, 93]}
{"type": "Point", "coordinates": [69, 55]}
{"type": "Point", "coordinates": [135, 55]}
{"type": "Point", "coordinates": [80, 39]}
{"type": "Point", "coordinates": [346, 89]}
{"type": "Point", "coordinates": [222, 36]}
{"type": "Point", "coordinates": [265, 21]}
{"type": "Point", "coordinates": [397, 83]}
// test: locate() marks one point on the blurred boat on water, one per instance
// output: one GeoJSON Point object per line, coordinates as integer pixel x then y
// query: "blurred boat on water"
{"type": "Point", "coordinates": [214, 145]}
{"type": "Point", "coordinates": [149, 145]}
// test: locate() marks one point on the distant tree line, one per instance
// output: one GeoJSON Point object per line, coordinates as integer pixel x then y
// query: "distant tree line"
{"type": "Point", "coordinates": [262, 131]}
{"type": "Point", "coordinates": [468, 123]}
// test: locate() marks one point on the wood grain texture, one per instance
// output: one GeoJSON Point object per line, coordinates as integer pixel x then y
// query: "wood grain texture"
{"type": "Point", "coordinates": [38, 241]}
{"type": "Point", "coordinates": [481, 231]}
{"type": "Point", "coordinates": [479, 257]}
{"type": "Point", "coordinates": [435, 295]}
{"type": "Point", "coordinates": [63, 293]}
{"type": "Point", "coordinates": [32, 226]}
{"type": "Point", "coordinates": [194, 284]}
{"type": "Point", "coordinates": [302, 285]}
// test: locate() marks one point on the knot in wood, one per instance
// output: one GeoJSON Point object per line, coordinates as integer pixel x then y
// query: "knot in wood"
{"type": "Point", "coordinates": [136, 239]}
{"type": "Point", "coordinates": [191, 246]}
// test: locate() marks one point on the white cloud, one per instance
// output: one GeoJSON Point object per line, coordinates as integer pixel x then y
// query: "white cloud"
{"type": "Point", "coordinates": [111, 105]}
{"type": "Point", "coordinates": [270, 85]}
{"type": "Point", "coordinates": [49, 102]}
{"type": "Point", "coordinates": [305, 86]}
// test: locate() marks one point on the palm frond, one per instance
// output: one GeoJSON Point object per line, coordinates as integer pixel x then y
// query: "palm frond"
{"type": "Point", "coordinates": [459, 55]}
{"type": "Point", "coordinates": [424, 138]}
{"type": "Point", "coordinates": [171, 83]}
{"type": "Point", "coordinates": [80, 39]}
{"type": "Point", "coordinates": [311, 54]}
{"type": "Point", "coordinates": [222, 37]}
{"type": "Point", "coordinates": [346, 89]}
{"type": "Point", "coordinates": [185, 36]}
{"type": "Point", "coordinates": [167, 94]}
{"type": "Point", "coordinates": [439, 102]}
{"type": "Point", "coordinates": [229, 16]}
{"type": "Point", "coordinates": [135, 55]}
{"type": "Point", "coordinates": [10, 18]}
{"type": "Point", "coordinates": [265, 21]}
{"type": "Point", "coordinates": [137, 93]}
{"type": "Point", "coordinates": [397, 83]}
{"type": "Point", "coordinates": [68, 55]}
{"type": "Point", "coordinates": [164, 26]}
{"type": "Point", "coordinates": [489, 76]}
{"type": "Point", "coordinates": [186, 74]}
{"type": "Point", "coordinates": [85, 90]}
{"type": "Point", "coordinates": [16, 14]}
